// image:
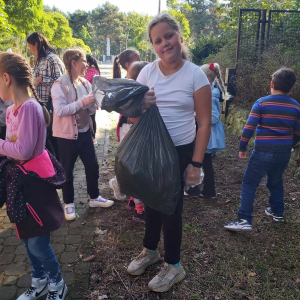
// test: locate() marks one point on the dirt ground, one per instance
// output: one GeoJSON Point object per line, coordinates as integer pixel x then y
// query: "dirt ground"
{"type": "Point", "coordinates": [262, 264]}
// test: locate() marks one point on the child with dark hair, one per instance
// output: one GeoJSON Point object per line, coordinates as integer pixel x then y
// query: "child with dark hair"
{"type": "Point", "coordinates": [133, 203]}
{"type": "Point", "coordinates": [276, 119]}
{"type": "Point", "coordinates": [125, 59]}
{"type": "Point", "coordinates": [92, 70]}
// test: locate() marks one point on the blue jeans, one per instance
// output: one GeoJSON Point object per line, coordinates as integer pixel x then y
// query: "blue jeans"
{"type": "Point", "coordinates": [260, 164]}
{"type": "Point", "coordinates": [43, 260]}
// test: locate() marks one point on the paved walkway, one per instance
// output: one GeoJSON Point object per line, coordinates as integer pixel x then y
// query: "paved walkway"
{"type": "Point", "coordinates": [71, 243]}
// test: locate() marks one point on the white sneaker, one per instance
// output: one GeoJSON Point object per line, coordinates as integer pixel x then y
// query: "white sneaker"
{"type": "Point", "coordinates": [69, 210]}
{"type": "Point", "coordinates": [57, 291]}
{"type": "Point", "coordinates": [101, 202]}
{"type": "Point", "coordinates": [239, 225]}
{"type": "Point", "coordinates": [38, 288]}
{"type": "Point", "coordinates": [166, 278]}
{"type": "Point", "coordinates": [113, 183]}
{"type": "Point", "coordinates": [145, 259]}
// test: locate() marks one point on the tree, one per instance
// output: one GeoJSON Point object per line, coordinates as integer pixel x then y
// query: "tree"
{"type": "Point", "coordinates": [23, 15]}
{"type": "Point", "coordinates": [4, 26]}
{"type": "Point", "coordinates": [62, 37]}
{"type": "Point", "coordinates": [180, 11]}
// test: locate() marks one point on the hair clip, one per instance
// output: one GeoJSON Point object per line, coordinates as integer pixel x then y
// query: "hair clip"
{"type": "Point", "coordinates": [212, 66]}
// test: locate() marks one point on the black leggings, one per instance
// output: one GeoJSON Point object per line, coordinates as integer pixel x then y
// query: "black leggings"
{"type": "Point", "coordinates": [69, 150]}
{"type": "Point", "coordinates": [171, 224]}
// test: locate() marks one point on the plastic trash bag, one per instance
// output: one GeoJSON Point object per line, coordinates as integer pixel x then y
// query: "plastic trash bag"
{"type": "Point", "coordinates": [124, 96]}
{"type": "Point", "coordinates": [147, 166]}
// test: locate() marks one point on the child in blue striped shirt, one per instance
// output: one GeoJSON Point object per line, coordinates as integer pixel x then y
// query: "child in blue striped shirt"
{"type": "Point", "coordinates": [276, 119]}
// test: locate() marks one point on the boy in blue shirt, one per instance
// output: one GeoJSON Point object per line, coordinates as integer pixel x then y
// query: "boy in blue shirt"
{"type": "Point", "coordinates": [276, 119]}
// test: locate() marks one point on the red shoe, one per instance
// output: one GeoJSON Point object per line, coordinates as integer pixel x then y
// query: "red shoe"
{"type": "Point", "coordinates": [130, 205]}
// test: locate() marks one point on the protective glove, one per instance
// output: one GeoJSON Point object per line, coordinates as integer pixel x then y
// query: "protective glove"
{"type": "Point", "coordinates": [193, 176]}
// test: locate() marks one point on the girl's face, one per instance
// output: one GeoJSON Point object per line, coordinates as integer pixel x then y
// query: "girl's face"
{"type": "Point", "coordinates": [33, 49]}
{"type": "Point", "coordinates": [167, 42]}
{"type": "Point", "coordinates": [5, 82]}
{"type": "Point", "coordinates": [79, 67]}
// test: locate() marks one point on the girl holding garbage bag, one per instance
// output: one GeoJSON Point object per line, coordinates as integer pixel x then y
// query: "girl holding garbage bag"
{"type": "Point", "coordinates": [73, 104]}
{"type": "Point", "coordinates": [178, 88]}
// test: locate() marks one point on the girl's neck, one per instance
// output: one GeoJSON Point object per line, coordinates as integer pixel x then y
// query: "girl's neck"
{"type": "Point", "coordinates": [75, 76]}
{"type": "Point", "coordinates": [171, 68]}
{"type": "Point", "coordinates": [19, 96]}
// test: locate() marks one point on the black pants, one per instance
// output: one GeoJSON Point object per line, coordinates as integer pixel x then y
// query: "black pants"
{"type": "Point", "coordinates": [209, 177]}
{"type": "Point", "coordinates": [172, 225]}
{"type": "Point", "coordinates": [69, 150]}
{"type": "Point", "coordinates": [94, 125]}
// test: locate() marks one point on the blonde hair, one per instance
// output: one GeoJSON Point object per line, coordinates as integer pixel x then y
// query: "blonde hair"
{"type": "Point", "coordinates": [213, 72]}
{"type": "Point", "coordinates": [173, 23]}
{"type": "Point", "coordinates": [136, 68]}
{"type": "Point", "coordinates": [68, 57]}
{"type": "Point", "coordinates": [18, 68]}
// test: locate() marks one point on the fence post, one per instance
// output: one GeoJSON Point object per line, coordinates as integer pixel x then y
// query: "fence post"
{"type": "Point", "coordinates": [238, 38]}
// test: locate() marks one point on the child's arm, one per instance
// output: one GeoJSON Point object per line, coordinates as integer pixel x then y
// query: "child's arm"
{"type": "Point", "coordinates": [60, 102]}
{"type": "Point", "coordinates": [250, 126]}
{"type": "Point", "coordinates": [26, 137]}
{"type": "Point", "coordinates": [296, 131]}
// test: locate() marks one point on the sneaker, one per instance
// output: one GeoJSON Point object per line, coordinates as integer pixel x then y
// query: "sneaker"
{"type": "Point", "coordinates": [207, 197]}
{"type": "Point", "coordinates": [166, 278]}
{"type": "Point", "coordinates": [101, 202]}
{"type": "Point", "coordinates": [139, 217]}
{"type": "Point", "coordinates": [69, 210]}
{"type": "Point", "coordinates": [130, 205]}
{"type": "Point", "coordinates": [38, 288]}
{"type": "Point", "coordinates": [57, 291]}
{"type": "Point", "coordinates": [276, 218]}
{"type": "Point", "coordinates": [113, 183]}
{"type": "Point", "coordinates": [193, 191]}
{"type": "Point", "coordinates": [239, 225]}
{"type": "Point", "coordinates": [144, 260]}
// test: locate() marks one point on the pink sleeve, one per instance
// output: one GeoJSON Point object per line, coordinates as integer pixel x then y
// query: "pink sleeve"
{"type": "Point", "coordinates": [27, 133]}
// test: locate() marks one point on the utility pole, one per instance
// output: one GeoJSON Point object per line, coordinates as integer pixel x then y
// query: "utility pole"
{"type": "Point", "coordinates": [159, 2]}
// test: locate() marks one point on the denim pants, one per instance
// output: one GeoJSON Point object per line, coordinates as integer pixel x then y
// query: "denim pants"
{"type": "Point", "coordinates": [171, 224]}
{"type": "Point", "coordinates": [69, 150]}
{"type": "Point", "coordinates": [42, 258]}
{"type": "Point", "coordinates": [260, 164]}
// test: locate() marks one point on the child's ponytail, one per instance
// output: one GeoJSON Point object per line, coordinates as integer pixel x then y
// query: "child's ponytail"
{"type": "Point", "coordinates": [217, 70]}
{"type": "Point", "coordinates": [45, 110]}
{"type": "Point", "coordinates": [126, 57]}
{"type": "Point", "coordinates": [116, 68]}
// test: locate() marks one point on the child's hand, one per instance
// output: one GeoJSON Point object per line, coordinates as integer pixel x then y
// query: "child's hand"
{"type": "Point", "coordinates": [243, 155]}
{"type": "Point", "coordinates": [88, 100]}
{"type": "Point", "coordinates": [149, 98]}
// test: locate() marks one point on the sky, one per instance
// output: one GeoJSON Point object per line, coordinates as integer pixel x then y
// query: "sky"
{"type": "Point", "coordinates": [149, 7]}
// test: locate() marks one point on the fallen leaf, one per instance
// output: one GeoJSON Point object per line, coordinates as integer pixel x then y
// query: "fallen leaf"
{"type": "Point", "coordinates": [99, 231]}
{"type": "Point", "coordinates": [252, 274]}
{"type": "Point", "coordinates": [89, 258]}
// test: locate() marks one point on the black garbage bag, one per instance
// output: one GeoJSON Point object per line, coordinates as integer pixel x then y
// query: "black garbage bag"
{"type": "Point", "coordinates": [124, 96]}
{"type": "Point", "coordinates": [146, 164]}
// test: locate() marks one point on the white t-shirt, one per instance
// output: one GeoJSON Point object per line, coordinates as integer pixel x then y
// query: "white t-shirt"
{"type": "Point", "coordinates": [175, 98]}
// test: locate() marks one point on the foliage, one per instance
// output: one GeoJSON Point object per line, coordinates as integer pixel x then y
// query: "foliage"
{"type": "Point", "coordinates": [4, 26]}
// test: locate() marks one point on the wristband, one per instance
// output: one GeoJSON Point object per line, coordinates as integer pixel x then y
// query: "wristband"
{"type": "Point", "coordinates": [197, 164]}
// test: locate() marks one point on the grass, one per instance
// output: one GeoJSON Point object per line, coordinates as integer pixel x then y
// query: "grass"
{"type": "Point", "coordinates": [260, 265]}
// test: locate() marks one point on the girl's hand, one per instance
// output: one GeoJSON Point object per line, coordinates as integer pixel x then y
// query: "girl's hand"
{"type": "Point", "coordinates": [193, 176]}
{"type": "Point", "coordinates": [37, 81]}
{"type": "Point", "coordinates": [88, 100]}
{"type": "Point", "coordinates": [149, 98]}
